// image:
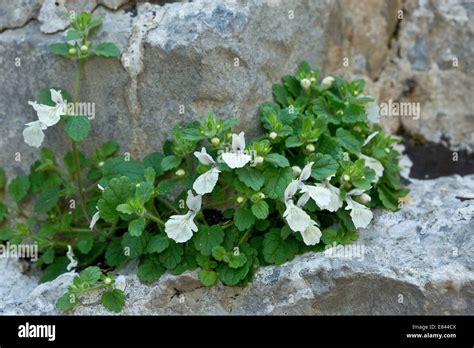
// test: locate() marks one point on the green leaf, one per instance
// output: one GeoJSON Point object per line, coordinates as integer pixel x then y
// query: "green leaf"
{"type": "Point", "coordinates": [66, 302]}
{"type": "Point", "coordinates": [58, 267]}
{"type": "Point", "coordinates": [144, 191]}
{"type": "Point", "coordinates": [134, 246]}
{"type": "Point", "coordinates": [292, 84]}
{"type": "Point", "coordinates": [113, 300]}
{"type": "Point", "coordinates": [192, 134]}
{"type": "Point", "coordinates": [60, 49]}
{"type": "Point", "coordinates": [47, 199]}
{"type": "Point", "coordinates": [276, 182]}
{"type": "Point", "coordinates": [170, 162]}
{"type": "Point", "coordinates": [228, 123]}
{"type": "Point", "coordinates": [208, 278]}
{"type": "Point", "coordinates": [230, 276]}
{"type": "Point", "coordinates": [280, 94]}
{"type": "Point", "coordinates": [90, 275]}
{"type": "Point", "coordinates": [48, 256]}
{"type": "Point", "coordinates": [157, 244]}
{"type": "Point", "coordinates": [154, 160]}
{"type": "Point", "coordinates": [150, 270]}
{"type": "Point", "coordinates": [77, 127]}
{"type": "Point", "coordinates": [260, 210]}
{"type": "Point", "coordinates": [348, 141]}
{"type": "Point", "coordinates": [277, 160]}
{"type": "Point", "coordinates": [389, 200]}
{"type": "Point", "coordinates": [2, 178]}
{"type": "Point", "coordinates": [118, 166]}
{"type": "Point", "coordinates": [107, 49]}
{"type": "Point", "coordinates": [117, 192]}
{"type": "Point", "coordinates": [172, 256]}
{"type": "Point", "coordinates": [6, 233]}
{"type": "Point", "coordinates": [236, 261]}
{"type": "Point", "coordinates": [207, 238]}
{"type": "Point", "coordinates": [125, 208]}
{"type": "Point", "coordinates": [136, 227]}
{"type": "Point", "coordinates": [354, 113]}
{"type": "Point", "coordinates": [3, 212]}
{"type": "Point", "coordinates": [108, 148]}
{"type": "Point", "coordinates": [219, 253]}
{"type": "Point", "coordinates": [251, 177]}
{"type": "Point", "coordinates": [276, 250]}
{"type": "Point", "coordinates": [293, 141]}
{"type": "Point", "coordinates": [85, 243]}
{"type": "Point", "coordinates": [243, 219]}
{"type": "Point", "coordinates": [329, 236]}
{"type": "Point", "coordinates": [72, 35]}
{"type": "Point", "coordinates": [324, 166]}
{"type": "Point", "coordinates": [165, 186]}
{"type": "Point", "coordinates": [115, 254]}
{"type": "Point", "coordinates": [19, 187]}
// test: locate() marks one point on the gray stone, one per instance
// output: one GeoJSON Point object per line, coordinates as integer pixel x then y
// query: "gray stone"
{"type": "Point", "coordinates": [415, 261]}
{"type": "Point", "coordinates": [15, 14]}
{"type": "Point", "coordinates": [223, 56]}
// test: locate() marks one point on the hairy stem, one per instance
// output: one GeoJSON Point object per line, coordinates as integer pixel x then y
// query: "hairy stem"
{"type": "Point", "coordinates": [154, 218]}
{"type": "Point", "coordinates": [74, 152]}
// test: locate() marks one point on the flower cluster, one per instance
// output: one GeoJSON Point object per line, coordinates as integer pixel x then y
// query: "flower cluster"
{"type": "Point", "coordinates": [210, 200]}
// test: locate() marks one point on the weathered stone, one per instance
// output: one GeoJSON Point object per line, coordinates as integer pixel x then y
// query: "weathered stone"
{"type": "Point", "coordinates": [181, 60]}
{"type": "Point", "coordinates": [15, 14]}
{"type": "Point", "coordinates": [411, 262]}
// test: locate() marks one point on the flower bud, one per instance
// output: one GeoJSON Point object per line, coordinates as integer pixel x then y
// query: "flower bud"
{"type": "Point", "coordinates": [108, 281]}
{"type": "Point", "coordinates": [180, 173]}
{"type": "Point", "coordinates": [313, 80]}
{"type": "Point", "coordinates": [215, 141]}
{"type": "Point", "coordinates": [259, 160]}
{"type": "Point", "coordinates": [305, 84]}
{"type": "Point", "coordinates": [365, 198]}
{"type": "Point", "coordinates": [310, 148]}
{"type": "Point", "coordinates": [387, 150]}
{"type": "Point", "coordinates": [84, 49]}
{"type": "Point", "coordinates": [240, 199]}
{"type": "Point", "coordinates": [101, 164]}
{"type": "Point", "coordinates": [327, 82]}
{"type": "Point", "coordinates": [339, 112]}
{"type": "Point", "coordinates": [72, 51]}
{"type": "Point", "coordinates": [273, 135]}
{"type": "Point", "coordinates": [261, 195]}
{"type": "Point", "coordinates": [296, 170]}
{"type": "Point", "coordinates": [346, 177]}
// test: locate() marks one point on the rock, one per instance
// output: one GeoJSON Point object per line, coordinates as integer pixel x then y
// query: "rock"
{"type": "Point", "coordinates": [416, 261]}
{"type": "Point", "coordinates": [15, 14]}
{"type": "Point", "coordinates": [183, 59]}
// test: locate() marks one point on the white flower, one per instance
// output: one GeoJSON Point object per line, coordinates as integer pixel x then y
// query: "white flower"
{"type": "Point", "coordinates": [33, 134]}
{"type": "Point", "coordinates": [372, 110]}
{"type": "Point", "coordinates": [360, 214]}
{"type": "Point", "coordinates": [296, 217]}
{"type": "Point", "coordinates": [237, 157]}
{"type": "Point", "coordinates": [206, 182]}
{"type": "Point", "coordinates": [50, 115]}
{"type": "Point", "coordinates": [373, 164]}
{"type": "Point", "coordinates": [72, 261]}
{"type": "Point", "coordinates": [312, 234]}
{"type": "Point", "coordinates": [180, 228]}
{"type": "Point", "coordinates": [327, 82]}
{"type": "Point", "coordinates": [325, 195]}
{"type": "Point", "coordinates": [94, 220]}
{"type": "Point", "coordinates": [47, 116]}
{"type": "Point", "coordinates": [204, 157]}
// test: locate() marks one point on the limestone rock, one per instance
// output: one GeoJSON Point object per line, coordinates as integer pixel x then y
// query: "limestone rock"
{"type": "Point", "coordinates": [15, 14]}
{"type": "Point", "coordinates": [412, 262]}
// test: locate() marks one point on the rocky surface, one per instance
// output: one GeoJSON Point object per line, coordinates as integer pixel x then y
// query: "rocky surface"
{"type": "Point", "coordinates": [414, 261]}
{"type": "Point", "coordinates": [183, 59]}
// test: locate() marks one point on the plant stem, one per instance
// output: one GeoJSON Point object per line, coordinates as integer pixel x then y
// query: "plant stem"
{"type": "Point", "coordinates": [154, 218]}
{"type": "Point", "coordinates": [74, 152]}
{"type": "Point", "coordinates": [245, 236]}
{"type": "Point", "coordinates": [168, 204]}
